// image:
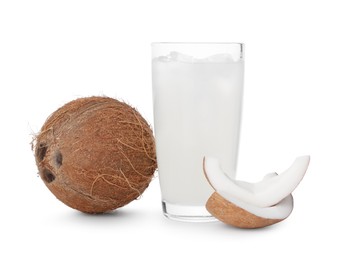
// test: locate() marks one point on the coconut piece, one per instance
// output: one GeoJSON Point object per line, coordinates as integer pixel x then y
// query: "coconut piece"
{"type": "Point", "coordinates": [242, 215]}
{"type": "Point", "coordinates": [247, 205]}
{"type": "Point", "coordinates": [265, 193]}
{"type": "Point", "coordinates": [95, 154]}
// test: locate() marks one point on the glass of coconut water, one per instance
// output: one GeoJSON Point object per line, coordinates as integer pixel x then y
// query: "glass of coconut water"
{"type": "Point", "coordinates": [197, 101]}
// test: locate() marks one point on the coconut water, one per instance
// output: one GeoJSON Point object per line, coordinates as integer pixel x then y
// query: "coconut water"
{"type": "Point", "coordinates": [197, 111]}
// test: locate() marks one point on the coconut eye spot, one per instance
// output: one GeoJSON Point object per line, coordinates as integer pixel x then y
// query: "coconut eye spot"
{"type": "Point", "coordinates": [48, 176]}
{"type": "Point", "coordinates": [58, 159]}
{"type": "Point", "coordinates": [41, 151]}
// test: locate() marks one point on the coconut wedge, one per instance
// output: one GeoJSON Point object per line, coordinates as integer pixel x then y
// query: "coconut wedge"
{"type": "Point", "coordinates": [242, 215]}
{"type": "Point", "coordinates": [265, 193]}
{"type": "Point", "coordinates": [253, 205]}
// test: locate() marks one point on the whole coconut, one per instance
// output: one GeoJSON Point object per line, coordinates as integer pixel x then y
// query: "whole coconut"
{"type": "Point", "coordinates": [96, 154]}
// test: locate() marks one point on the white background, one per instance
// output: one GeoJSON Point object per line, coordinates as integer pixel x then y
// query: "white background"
{"type": "Point", "coordinates": [54, 51]}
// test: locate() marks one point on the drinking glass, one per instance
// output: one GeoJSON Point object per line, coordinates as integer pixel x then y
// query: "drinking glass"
{"type": "Point", "coordinates": [197, 102]}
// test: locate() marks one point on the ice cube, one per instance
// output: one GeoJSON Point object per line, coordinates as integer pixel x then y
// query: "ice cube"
{"type": "Point", "coordinates": [162, 58]}
{"type": "Point", "coordinates": [177, 56]}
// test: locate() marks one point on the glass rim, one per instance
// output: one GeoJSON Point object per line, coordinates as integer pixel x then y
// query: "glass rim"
{"type": "Point", "coordinates": [199, 43]}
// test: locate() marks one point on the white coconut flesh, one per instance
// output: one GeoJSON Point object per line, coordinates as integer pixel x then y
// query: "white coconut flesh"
{"type": "Point", "coordinates": [270, 198]}
{"type": "Point", "coordinates": [279, 211]}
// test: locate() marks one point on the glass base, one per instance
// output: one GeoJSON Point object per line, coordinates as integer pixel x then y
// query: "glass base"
{"type": "Point", "coordinates": [187, 213]}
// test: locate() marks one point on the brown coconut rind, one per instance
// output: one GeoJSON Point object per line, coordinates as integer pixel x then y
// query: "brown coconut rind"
{"type": "Point", "coordinates": [231, 214]}
{"type": "Point", "coordinates": [96, 154]}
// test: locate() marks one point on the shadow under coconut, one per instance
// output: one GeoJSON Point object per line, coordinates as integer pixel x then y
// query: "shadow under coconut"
{"type": "Point", "coordinates": [221, 227]}
{"type": "Point", "coordinates": [118, 216]}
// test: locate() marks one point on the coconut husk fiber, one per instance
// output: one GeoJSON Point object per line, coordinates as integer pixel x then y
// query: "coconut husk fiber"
{"type": "Point", "coordinates": [95, 154]}
{"type": "Point", "coordinates": [231, 214]}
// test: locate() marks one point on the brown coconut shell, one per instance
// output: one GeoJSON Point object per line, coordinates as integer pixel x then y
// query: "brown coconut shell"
{"type": "Point", "coordinates": [96, 154]}
{"type": "Point", "coordinates": [231, 214]}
